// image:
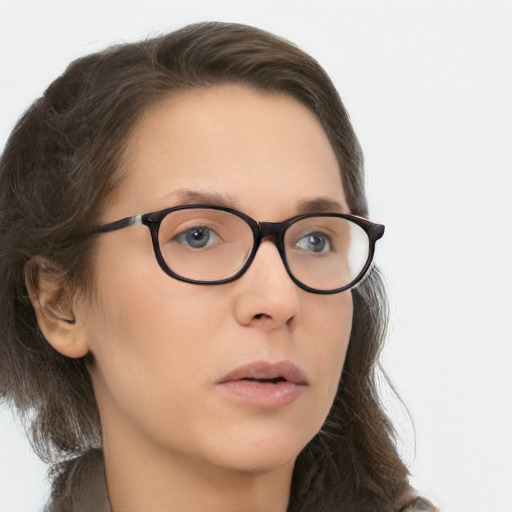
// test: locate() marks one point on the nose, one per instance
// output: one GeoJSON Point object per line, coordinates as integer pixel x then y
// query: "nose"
{"type": "Point", "coordinates": [267, 297]}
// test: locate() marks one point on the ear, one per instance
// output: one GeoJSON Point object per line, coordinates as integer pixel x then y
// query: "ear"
{"type": "Point", "coordinates": [57, 316]}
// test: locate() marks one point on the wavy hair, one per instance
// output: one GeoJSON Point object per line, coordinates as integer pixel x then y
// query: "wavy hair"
{"type": "Point", "coordinates": [58, 170]}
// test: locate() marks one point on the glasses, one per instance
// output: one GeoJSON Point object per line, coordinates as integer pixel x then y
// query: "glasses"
{"type": "Point", "coordinates": [322, 252]}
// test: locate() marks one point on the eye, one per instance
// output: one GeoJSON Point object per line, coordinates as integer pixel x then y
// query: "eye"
{"type": "Point", "coordinates": [198, 237]}
{"type": "Point", "coordinates": [315, 242]}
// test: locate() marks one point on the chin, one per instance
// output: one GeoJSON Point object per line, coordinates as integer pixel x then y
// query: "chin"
{"type": "Point", "coordinates": [259, 465]}
{"type": "Point", "coordinates": [257, 456]}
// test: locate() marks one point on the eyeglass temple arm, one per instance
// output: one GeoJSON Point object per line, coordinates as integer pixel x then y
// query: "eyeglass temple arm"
{"type": "Point", "coordinates": [119, 224]}
{"type": "Point", "coordinates": [377, 231]}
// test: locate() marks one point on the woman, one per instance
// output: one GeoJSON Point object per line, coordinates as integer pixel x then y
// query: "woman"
{"type": "Point", "coordinates": [183, 248]}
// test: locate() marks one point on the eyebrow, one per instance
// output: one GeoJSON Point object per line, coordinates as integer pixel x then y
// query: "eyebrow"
{"type": "Point", "coordinates": [184, 196]}
{"type": "Point", "coordinates": [321, 205]}
{"type": "Point", "coordinates": [313, 205]}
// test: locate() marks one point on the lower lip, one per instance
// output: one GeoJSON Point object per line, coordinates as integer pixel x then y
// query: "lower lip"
{"type": "Point", "coordinates": [263, 395]}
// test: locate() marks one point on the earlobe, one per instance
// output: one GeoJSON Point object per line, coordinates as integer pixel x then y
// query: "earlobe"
{"type": "Point", "coordinates": [53, 304]}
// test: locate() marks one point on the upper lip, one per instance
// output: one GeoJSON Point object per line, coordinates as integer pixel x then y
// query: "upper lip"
{"type": "Point", "coordinates": [266, 370]}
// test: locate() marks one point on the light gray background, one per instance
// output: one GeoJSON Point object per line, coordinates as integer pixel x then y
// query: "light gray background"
{"type": "Point", "coordinates": [428, 87]}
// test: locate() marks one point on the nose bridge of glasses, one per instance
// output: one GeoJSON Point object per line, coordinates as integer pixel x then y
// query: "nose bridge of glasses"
{"type": "Point", "coordinates": [270, 229]}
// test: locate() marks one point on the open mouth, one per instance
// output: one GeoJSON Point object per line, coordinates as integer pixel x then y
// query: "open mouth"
{"type": "Point", "coordinates": [264, 385]}
{"type": "Point", "coordinates": [266, 372]}
{"type": "Point", "coordinates": [265, 381]}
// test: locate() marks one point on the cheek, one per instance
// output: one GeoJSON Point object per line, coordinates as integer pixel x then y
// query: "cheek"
{"type": "Point", "coordinates": [332, 319]}
{"type": "Point", "coordinates": [142, 358]}
{"type": "Point", "coordinates": [146, 331]}
{"type": "Point", "coordinates": [330, 327]}
{"type": "Point", "coordinates": [125, 315]}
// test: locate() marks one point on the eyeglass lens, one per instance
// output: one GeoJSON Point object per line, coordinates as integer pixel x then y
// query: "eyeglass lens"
{"type": "Point", "coordinates": [203, 244]}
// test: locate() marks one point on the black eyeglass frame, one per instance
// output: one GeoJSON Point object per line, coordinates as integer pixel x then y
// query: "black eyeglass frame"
{"type": "Point", "coordinates": [260, 231]}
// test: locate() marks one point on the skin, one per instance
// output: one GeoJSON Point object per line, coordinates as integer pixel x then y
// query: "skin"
{"type": "Point", "coordinates": [172, 440]}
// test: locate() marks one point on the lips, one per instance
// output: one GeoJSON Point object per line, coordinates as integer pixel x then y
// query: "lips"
{"type": "Point", "coordinates": [264, 384]}
{"type": "Point", "coordinates": [263, 371]}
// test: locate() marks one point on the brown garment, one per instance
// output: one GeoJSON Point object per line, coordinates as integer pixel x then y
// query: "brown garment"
{"type": "Point", "coordinates": [418, 504]}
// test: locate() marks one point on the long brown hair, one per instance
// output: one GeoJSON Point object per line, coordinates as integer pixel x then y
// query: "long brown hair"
{"type": "Point", "coordinates": [59, 167]}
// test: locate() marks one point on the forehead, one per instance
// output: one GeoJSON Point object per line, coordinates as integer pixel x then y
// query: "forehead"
{"type": "Point", "coordinates": [252, 147]}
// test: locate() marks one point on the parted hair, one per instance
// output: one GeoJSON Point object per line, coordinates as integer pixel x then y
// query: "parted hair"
{"type": "Point", "coordinates": [57, 172]}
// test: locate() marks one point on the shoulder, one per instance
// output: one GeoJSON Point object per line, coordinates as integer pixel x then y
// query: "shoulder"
{"type": "Point", "coordinates": [418, 504]}
{"type": "Point", "coordinates": [80, 485]}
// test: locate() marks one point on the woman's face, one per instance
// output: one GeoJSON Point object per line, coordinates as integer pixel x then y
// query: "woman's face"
{"type": "Point", "coordinates": [165, 349]}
